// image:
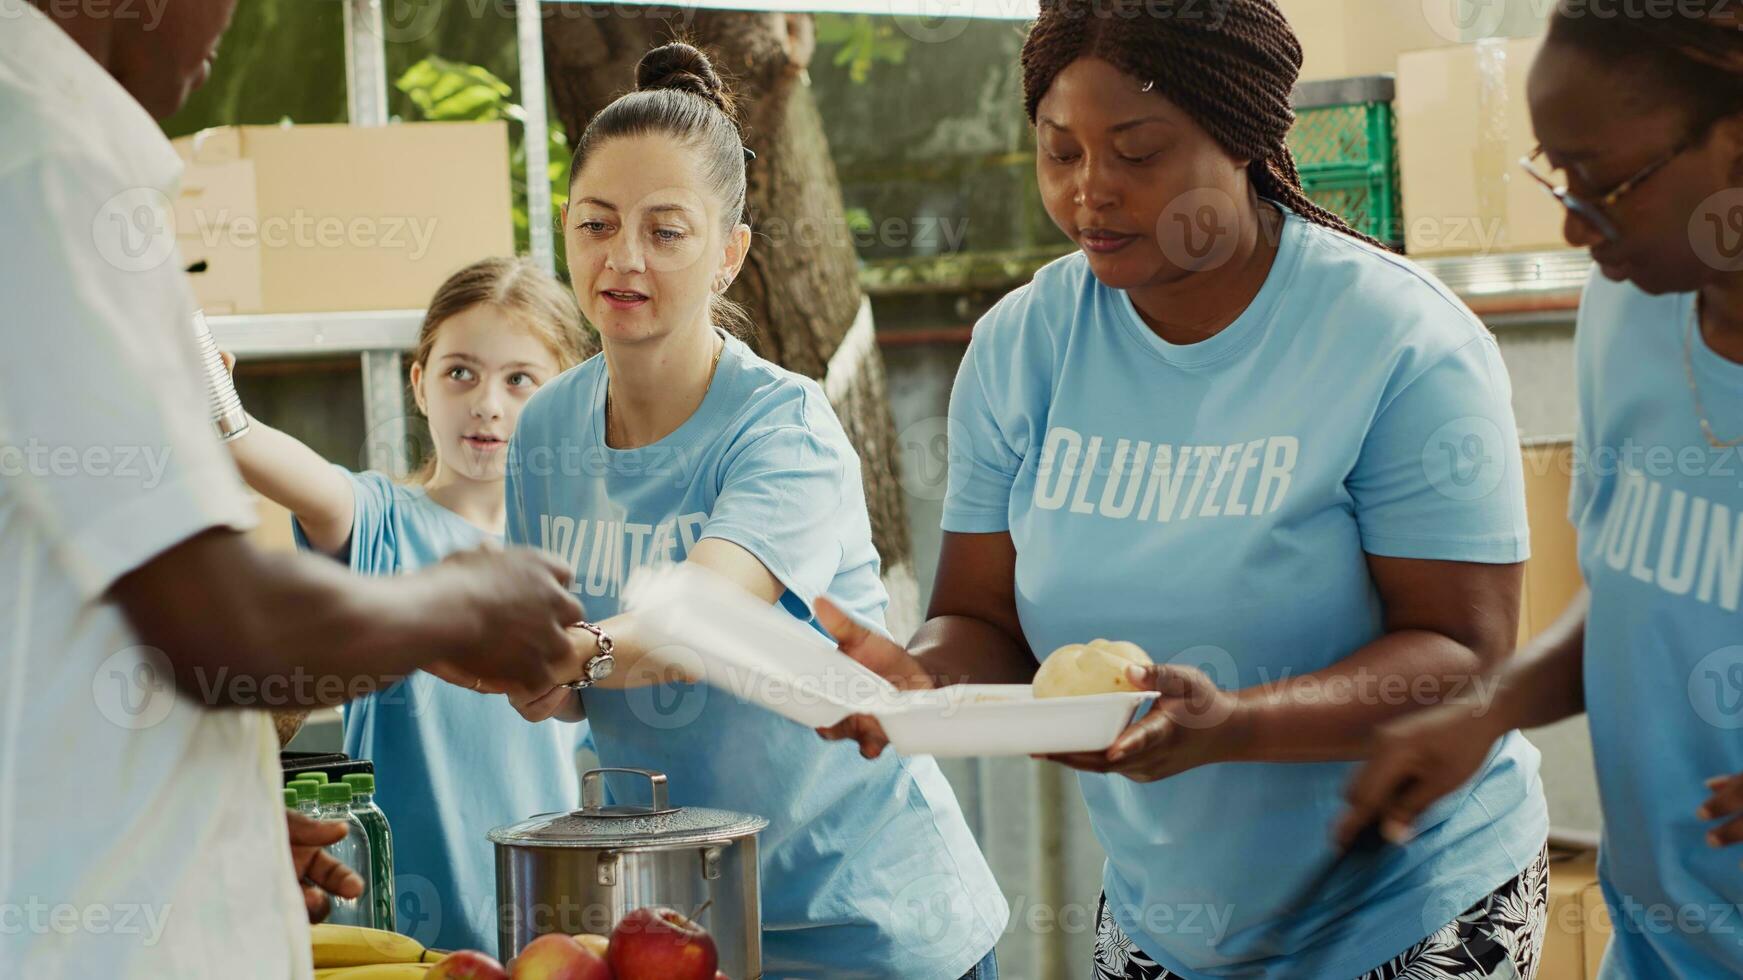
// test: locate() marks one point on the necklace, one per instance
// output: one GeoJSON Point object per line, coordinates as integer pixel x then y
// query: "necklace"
{"type": "Point", "coordinates": [712, 368]}
{"type": "Point", "coordinates": [1688, 365]}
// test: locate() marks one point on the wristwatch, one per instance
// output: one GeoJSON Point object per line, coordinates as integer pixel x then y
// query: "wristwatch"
{"type": "Point", "coordinates": [600, 666]}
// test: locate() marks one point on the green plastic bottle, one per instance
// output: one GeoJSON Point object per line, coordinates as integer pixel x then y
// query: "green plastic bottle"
{"type": "Point", "coordinates": [353, 852]}
{"type": "Point", "coordinates": [380, 845]}
{"type": "Point", "coordinates": [319, 777]}
{"type": "Point", "coordinates": [290, 798]}
{"type": "Point", "coordinates": [307, 790]}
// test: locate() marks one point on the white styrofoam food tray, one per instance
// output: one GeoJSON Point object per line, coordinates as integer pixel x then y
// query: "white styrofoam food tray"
{"type": "Point", "coordinates": [759, 653]}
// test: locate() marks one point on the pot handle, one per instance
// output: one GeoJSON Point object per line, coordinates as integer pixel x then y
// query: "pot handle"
{"type": "Point", "coordinates": [593, 788]}
{"type": "Point", "coordinates": [712, 851]}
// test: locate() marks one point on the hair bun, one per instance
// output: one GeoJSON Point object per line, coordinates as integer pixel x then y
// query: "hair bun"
{"type": "Point", "coordinates": [681, 67]}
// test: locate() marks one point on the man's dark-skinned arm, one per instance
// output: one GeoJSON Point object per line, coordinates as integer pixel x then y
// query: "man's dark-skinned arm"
{"type": "Point", "coordinates": [223, 611]}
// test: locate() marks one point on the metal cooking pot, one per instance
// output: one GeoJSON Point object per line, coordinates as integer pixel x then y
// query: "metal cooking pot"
{"type": "Point", "coordinates": [582, 871]}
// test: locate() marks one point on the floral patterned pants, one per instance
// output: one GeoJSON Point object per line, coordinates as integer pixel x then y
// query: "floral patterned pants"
{"type": "Point", "coordinates": [1499, 938]}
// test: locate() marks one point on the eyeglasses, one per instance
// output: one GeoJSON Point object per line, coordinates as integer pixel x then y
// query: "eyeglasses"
{"type": "Point", "coordinates": [1595, 211]}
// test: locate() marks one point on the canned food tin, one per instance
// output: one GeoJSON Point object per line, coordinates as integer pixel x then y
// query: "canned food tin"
{"type": "Point", "coordinates": [227, 414]}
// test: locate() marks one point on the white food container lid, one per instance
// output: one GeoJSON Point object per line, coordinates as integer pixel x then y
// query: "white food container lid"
{"type": "Point", "coordinates": [758, 652]}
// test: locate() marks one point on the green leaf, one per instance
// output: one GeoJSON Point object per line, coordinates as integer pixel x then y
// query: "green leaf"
{"type": "Point", "coordinates": [443, 90]}
{"type": "Point", "coordinates": [833, 28]}
{"type": "Point", "coordinates": [863, 43]}
{"type": "Point", "coordinates": [472, 103]}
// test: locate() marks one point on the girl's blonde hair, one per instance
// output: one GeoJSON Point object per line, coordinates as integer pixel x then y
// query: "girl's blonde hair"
{"type": "Point", "coordinates": [520, 287]}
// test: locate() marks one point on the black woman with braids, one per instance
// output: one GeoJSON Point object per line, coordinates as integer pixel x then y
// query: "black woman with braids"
{"type": "Point", "coordinates": [1280, 459]}
{"type": "Point", "coordinates": [1641, 124]}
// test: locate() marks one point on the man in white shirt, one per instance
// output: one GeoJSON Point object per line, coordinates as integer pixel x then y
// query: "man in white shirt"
{"type": "Point", "coordinates": [141, 828]}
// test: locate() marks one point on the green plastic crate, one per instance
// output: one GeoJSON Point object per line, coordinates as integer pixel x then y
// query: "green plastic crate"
{"type": "Point", "coordinates": [1365, 199]}
{"type": "Point", "coordinates": [1345, 144]}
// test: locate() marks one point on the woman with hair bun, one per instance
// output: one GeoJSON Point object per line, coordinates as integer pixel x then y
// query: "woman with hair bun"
{"type": "Point", "coordinates": [679, 443]}
{"type": "Point", "coordinates": [1220, 430]}
{"type": "Point", "coordinates": [1640, 117]}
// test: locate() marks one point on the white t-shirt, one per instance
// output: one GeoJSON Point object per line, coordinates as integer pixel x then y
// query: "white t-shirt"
{"type": "Point", "coordinates": [141, 835]}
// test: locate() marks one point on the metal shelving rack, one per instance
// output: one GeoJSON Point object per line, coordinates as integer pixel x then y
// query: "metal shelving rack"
{"type": "Point", "coordinates": [380, 338]}
{"type": "Point", "coordinates": [1517, 289]}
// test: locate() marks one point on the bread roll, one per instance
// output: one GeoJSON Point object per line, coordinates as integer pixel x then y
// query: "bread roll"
{"type": "Point", "coordinates": [1096, 667]}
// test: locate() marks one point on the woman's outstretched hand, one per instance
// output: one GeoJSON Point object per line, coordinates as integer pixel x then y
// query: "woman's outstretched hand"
{"type": "Point", "coordinates": [883, 657]}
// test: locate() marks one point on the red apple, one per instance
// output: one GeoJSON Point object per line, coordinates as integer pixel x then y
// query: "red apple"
{"type": "Point", "coordinates": [660, 944]}
{"type": "Point", "coordinates": [466, 964]}
{"type": "Point", "coordinates": [597, 945]}
{"type": "Point", "coordinates": [558, 957]}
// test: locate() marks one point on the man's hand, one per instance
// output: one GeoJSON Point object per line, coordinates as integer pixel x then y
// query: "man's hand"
{"type": "Point", "coordinates": [316, 870]}
{"type": "Point", "coordinates": [517, 604]}
{"type": "Point", "coordinates": [1725, 804]}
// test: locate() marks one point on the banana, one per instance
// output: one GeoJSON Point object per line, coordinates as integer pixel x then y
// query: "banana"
{"type": "Point", "coordinates": [375, 971]}
{"type": "Point", "coordinates": [336, 946]}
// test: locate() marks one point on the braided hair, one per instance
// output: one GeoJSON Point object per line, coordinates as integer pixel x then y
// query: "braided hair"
{"type": "Point", "coordinates": [1695, 54]}
{"type": "Point", "coordinates": [1233, 73]}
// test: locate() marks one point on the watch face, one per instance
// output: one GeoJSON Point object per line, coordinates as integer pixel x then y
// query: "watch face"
{"type": "Point", "coordinates": [600, 667]}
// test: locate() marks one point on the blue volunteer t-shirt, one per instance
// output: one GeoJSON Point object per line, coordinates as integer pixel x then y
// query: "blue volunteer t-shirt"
{"type": "Point", "coordinates": [450, 764]}
{"type": "Point", "coordinates": [1660, 518]}
{"type": "Point", "coordinates": [868, 868]}
{"type": "Point", "coordinates": [1215, 503]}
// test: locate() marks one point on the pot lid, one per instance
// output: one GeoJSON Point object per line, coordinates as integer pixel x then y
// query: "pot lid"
{"type": "Point", "coordinates": [657, 824]}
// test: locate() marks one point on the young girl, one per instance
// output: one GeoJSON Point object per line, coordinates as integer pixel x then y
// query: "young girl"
{"type": "Point", "coordinates": [1642, 118]}
{"type": "Point", "coordinates": [451, 762]}
{"type": "Point", "coordinates": [680, 443]}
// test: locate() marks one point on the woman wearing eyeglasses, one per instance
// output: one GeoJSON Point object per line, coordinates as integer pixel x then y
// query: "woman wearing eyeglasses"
{"type": "Point", "coordinates": [1643, 117]}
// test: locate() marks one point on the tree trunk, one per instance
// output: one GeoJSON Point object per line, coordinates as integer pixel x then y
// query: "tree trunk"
{"type": "Point", "coordinates": [800, 283]}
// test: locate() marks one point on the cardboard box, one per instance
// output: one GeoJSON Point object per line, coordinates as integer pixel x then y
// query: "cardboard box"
{"type": "Point", "coordinates": [304, 219]}
{"type": "Point", "coordinates": [1354, 38]}
{"type": "Point", "coordinates": [1552, 576]}
{"type": "Point", "coordinates": [1579, 924]}
{"type": "Point", "coordinates": [1463, 125]}
{"type": "Point", "coordinates": [1598, 928]}
{"type": "Point", "coordinates": [273, 533]}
